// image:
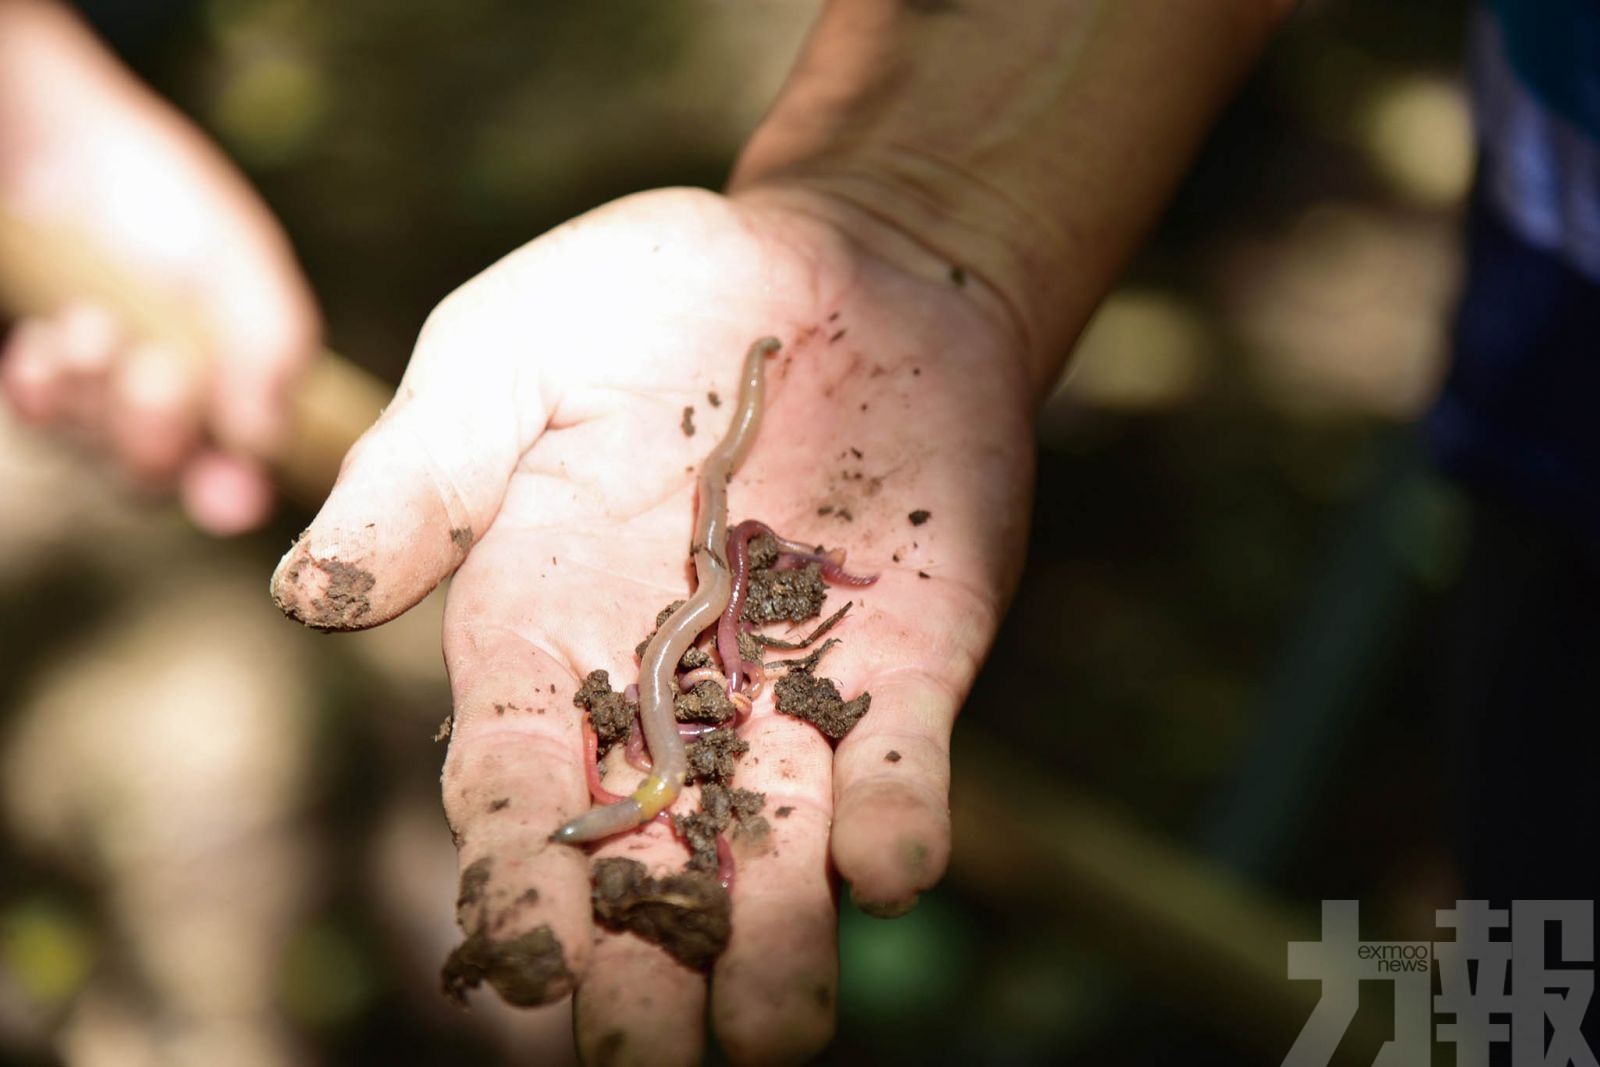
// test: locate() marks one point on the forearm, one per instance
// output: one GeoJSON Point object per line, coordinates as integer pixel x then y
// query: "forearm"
{"type": "Point", "coordinates": [1022, 147]}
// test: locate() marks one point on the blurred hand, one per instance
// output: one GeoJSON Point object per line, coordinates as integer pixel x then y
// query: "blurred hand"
{"type": "Point", "coordinates": [86, 150]}
{"type": "Point", "coordinates": [537, 442]}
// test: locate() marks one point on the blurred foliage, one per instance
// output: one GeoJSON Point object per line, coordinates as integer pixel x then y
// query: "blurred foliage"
{"type": "Point", "coordinates": [47, 947]}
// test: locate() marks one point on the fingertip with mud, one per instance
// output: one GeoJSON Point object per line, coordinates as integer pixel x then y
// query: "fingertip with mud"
{"type": "Point", "coordinates": [890, 843]}
{"type": "Point", "coordinates": [382, 541]}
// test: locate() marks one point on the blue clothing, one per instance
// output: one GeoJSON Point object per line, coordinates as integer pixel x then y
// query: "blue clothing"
{"type": "Point", "coordinates": [1519, 415]}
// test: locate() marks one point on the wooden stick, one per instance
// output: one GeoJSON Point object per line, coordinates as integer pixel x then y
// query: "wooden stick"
{"type": "Point", "coordinates": [43, 269]}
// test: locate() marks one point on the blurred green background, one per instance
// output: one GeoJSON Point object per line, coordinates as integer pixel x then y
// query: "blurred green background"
{"type": "Point", "coordinates": [1219, 650]}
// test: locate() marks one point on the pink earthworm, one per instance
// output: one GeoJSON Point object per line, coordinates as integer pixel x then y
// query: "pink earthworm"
{"type": "Point", "coordinates": [713, 586]}
{"type": "Point", "coordinates": [639, 759]}
{"type": "Point", "coordinates": [689, 679]}
{"type": "Point", "coordinates": [591, 766]}
{"type": "Point", "coordinates": [831, 564]}
{"type": "Point", "coordinates": [728, 627]}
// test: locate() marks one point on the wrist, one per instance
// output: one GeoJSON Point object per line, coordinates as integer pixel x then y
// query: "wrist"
{"type": "Point", "coordinates": [1023, 145]}
{"type": "Point", "coordinates": [866, 215]}
{"type": "Point", "coordinates": [932, 224]}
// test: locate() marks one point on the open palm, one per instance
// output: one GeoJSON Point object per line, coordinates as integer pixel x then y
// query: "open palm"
{"type": "Point", "coordinates": [540, 441]}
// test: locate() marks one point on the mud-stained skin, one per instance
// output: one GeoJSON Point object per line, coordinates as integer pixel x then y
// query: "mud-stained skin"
{"type": "Point", "coordinates": [461, 537]}
{"type": "Point", "coordinates": [345, 603]}
{"type": "Point", "coordinates": [526, 970]}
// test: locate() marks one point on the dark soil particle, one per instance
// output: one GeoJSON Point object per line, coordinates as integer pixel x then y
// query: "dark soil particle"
{"type": "Point", "coordinates": [611, 715]}
{"type": "Point", "coordinates": [461, 536]}
{"type": "Point", "coordinates": [706, 702]}
{"type": "Point", "coordinates": [761, 552]}
{"type": "Point", "coordinates": [473, 881]}
{"type": "Point", "coordinates": [712, 756]}
{"type": "Point", "coordinates": [794, 594]}
{"type": "Point", "coordinates": [784, 812]}
{"type": "Point", "coordinates": [525, 971]}
{"type": "Point", "coordinates": [699, 831]}
{"type": "Point", "coordinates": [891, 756]}
{"type": "Point", "coordinates": [749, 646]}
{"type": "Point", "coordinates": [958, 277]}
{"type": "Point", "coordinates": [924, 574]}
{"type": "Point", "coordinates": [500, 805]}
{"type": "Point", "coordinates": [920, 516]}
{"type": "Point", "coordinates": [816, 700]}
{"type": "Point", "coordinates": [713, 399]}
{"type": "Point", "coordinates": [719, 808]}
{"type": "Point", "coordinates": [687, 425]}
{"type": "Point", "coordinates": [686, 914]}
{"type": "Point", "coordinates": [344, 604]}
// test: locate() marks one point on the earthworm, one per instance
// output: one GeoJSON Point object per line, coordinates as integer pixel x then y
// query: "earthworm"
{"type": "Point", "coordinates": [712, 587]}
{"type": "Point", "coordinates": [591, 765]}
{"type": "Point", "coordinates": [790, 554]}
{"type": "Point", "coordinates": [728, 627]}
{"type": "Point", "coordinates": [639, 759]}
{"type": "Point", "coordinates": [831, 564]}
{"type": "Point", "coordinates": [690, 679]}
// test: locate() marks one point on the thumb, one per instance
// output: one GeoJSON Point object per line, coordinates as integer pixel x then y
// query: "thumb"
{"type": "Point", "coordinates": [422, 484]}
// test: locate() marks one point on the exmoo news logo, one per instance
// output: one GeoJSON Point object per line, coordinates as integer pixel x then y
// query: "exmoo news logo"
{"type": "Point", "coordinates": [1498, 984]}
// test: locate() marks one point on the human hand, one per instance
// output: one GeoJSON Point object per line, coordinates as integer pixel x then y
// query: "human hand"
{"type": "Point", "coordinates": [86, 150]}
{"type": "Point", "coordinates": [537, 442]}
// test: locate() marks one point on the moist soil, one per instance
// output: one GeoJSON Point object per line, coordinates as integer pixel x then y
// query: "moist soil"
{"type": "Point", "coordinates": [687, 912]}
{"type": "Point", "coordinates": [611, 716]}
{"type": "Point", "coordinates": [526, 970]}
